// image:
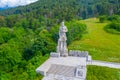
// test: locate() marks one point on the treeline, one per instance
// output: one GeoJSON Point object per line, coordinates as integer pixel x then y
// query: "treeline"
{"type": "Point", "coordinates": [47, 13]}
{"type": "Point", "coordinates": [67, 9]}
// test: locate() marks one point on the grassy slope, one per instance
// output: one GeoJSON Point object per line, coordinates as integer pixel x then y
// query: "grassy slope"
{"type": "Point", "coordinates": [100, 44]}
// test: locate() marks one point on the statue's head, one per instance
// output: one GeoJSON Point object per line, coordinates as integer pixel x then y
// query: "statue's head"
{"type": "Point", "coordinates": [62, 24]}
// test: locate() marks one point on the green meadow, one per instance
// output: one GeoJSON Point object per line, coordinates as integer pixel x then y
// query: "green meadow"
{"type": "Point", "coordinates": [100, 44]}
{"type": "Point", "coordinates": [102, 73]}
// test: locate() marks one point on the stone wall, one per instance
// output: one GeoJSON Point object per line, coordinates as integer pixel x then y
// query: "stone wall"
{"type": "Point", "coordinates": [77, 53]}
{"type": "Point", "coordinates": [54, 54]}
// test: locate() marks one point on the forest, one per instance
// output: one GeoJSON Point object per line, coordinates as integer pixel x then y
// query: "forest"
{"type": "Point", "coordinates": [29, 33]}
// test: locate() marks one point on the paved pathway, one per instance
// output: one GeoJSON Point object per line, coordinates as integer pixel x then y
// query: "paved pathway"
{"type": "Point", "coordinates": [106, 64]}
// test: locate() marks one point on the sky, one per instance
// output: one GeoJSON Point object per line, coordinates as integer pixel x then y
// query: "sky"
{"type": "Point", "coordinates": [14, 3]}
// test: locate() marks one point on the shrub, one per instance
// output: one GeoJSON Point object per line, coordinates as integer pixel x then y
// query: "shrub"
{"type": "Point", "coordinates": [113, 28]}
{"type": "Point", "coordinates": [102, 19]}
{"type": "Point", "coordinates": [114, 18]}
{"type": "Point", "coordinates": [75, 31]}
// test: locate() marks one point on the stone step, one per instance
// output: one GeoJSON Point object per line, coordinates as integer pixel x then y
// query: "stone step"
{"type": "Point", "coordinates": [62, 70]}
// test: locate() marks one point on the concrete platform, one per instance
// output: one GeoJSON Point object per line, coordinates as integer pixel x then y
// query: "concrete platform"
{"type": "Point", "coordinates": [67, 61]}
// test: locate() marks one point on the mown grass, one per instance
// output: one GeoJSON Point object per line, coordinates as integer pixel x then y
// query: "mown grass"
{"type": "Point", "coordinates": [102, 73]}
{"type": "Point", "coordinates": [100, 44]}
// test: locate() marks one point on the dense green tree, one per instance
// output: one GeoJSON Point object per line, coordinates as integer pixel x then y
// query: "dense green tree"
{"type": "Point", "coordinates": [44, 43]}
{"type": "Point", "coordinates": [2, 21]}
{"type": "Point", "coordinates": [6, 34]}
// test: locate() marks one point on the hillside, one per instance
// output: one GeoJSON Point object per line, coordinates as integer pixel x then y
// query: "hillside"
{"type": "Point", "coordinates": [68, 8]}
{"type": "Point", "coordinates": [101, 45]}
{"type": "Point", "coordinates": [47, 13]}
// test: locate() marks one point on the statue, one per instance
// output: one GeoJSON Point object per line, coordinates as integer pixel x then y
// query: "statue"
{"type": "Point", "coordinates": [62, 32]}
{"type": "Point", "coordinates": [62, 45]}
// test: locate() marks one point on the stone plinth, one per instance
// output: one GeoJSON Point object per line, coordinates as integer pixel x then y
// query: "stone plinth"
{"type": "Point", "coordinates": [65, 61]}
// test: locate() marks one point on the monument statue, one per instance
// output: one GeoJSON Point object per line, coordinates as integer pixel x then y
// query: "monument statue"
{"type": "Point", "coordinates": [62, 45]}
{"type": "Point", "coordinates": [64, 66]}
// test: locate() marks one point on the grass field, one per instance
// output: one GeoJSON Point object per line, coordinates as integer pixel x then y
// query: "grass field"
{"type": "Point", "coordinates": [100, 44]}
{"type": "Point", "coordinates": [102, 73]}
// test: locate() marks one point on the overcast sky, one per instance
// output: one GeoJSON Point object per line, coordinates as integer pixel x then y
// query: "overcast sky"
{"type": "Point", "coordinates": [13, 3]}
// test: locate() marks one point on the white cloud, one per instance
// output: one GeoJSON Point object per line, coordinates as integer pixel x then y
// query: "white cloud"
{"type": "Point", "coordinates": [13, 3]}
